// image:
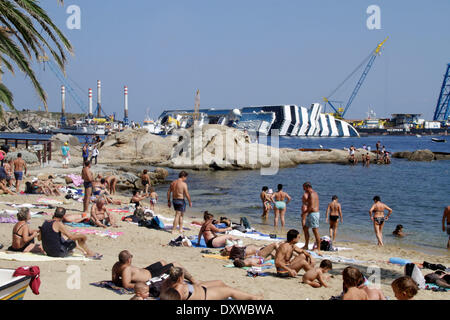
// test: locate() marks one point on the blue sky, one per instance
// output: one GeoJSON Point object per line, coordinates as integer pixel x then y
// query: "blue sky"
{"type": "Point", "coordinates": [248, 52]}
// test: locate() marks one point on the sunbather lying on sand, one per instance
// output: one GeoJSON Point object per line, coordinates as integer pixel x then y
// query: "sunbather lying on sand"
{"type": "Point", "coordinates": [175, 287]}
{"type": "Point", "coordinates": [254, 250]}
{"type": "Point", "coordinates": [124, 274]}
{"type": "Point", "coordinates": [254, 261]}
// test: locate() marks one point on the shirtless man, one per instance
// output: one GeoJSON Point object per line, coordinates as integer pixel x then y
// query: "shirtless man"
{"type": "Point", "coordinates": [145, 179]}
{"type": "Point", "coordinates": [19, 166]}
{"type": "Point", "coordinates": [367, 159]}
{"type": "Point", "coordinates": [286, 266]}
{"type": "Point", "coordinates": [280, 200]}
{"type": "Point", "coordinates": [88, 178]}
{"type": "Point", "coordinates": [313, 216]}
{"type": "Point", "coordinates": [9, 172]}
{"type": "Point", "coordinates": [376, 213]}
{"type": "Point", "coordinates": [100, 216]}
{"type": "Point", "coordinates": [446, 216]}
{"type": "Point", "coordinates": [335, 211]}
{"type": "Point", "coordinates": [179, 190]}
{"type": "Point", "coordinates": [125, 275]}
{"type": "Point", "coordinates": [304, 211]}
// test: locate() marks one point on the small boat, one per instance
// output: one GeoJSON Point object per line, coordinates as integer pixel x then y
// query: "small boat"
{"type": "Point", "coordinates": [438, 140]}
{"type": "Point", "coordinates": [418, 136]}
{"type": "Point", "coordinates": [12, 288]}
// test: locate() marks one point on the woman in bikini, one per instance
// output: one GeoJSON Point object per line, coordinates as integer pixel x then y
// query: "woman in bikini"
{"type": "Point", "coordinates": [175, 287]}
{"type": "Point", "coordinates": [376, 213]}
{"type": "Point", "coordinates": [208, 231]}
{"type": "Point", "coordinates": [335, 212]}
{"type": "Point", "coordinates": [23, 236]}
{"type": "Point", "coordinates": [279, 198]}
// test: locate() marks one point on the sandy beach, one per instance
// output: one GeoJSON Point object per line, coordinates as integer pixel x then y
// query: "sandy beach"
{"type": "Point", "coordinates": [149, 246]}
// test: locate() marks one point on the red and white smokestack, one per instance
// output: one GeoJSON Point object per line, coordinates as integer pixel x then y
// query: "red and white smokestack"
{"type": "Point", "coordinates": [63, 100]}
{"type": "Point", "coordinates": [126, 103]}
{"type": "Point", "coordinates": [99, 98]}
{"type": "Point", "coordinates": [90, 103]}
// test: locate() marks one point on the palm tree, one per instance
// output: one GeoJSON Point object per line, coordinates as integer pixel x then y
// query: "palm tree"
{"type": "Point", "coordinates": [20, 42]}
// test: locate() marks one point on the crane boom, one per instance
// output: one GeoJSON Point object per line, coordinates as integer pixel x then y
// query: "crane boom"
{"type": "Point", "coordinates": [442, 112]}
{"type": "Point", "coordinates": [371, 58]}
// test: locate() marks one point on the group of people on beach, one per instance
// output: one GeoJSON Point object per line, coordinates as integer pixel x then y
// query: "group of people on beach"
{"type": "Point", "coordinates": [381, 154]}
{"type": "Point", "coordinates": [310, 215]}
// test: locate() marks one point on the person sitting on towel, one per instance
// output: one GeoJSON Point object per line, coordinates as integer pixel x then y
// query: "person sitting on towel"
{"type": "Point", "coordinates": [125, 275]}
{"type": "Point", "coordinates": [208, 231]}
{"type": "Point", "coordinates": [287, 265]}
{"type": "Point", "coordinates": [100, 217]}
{"type": "Point", "coordinates": [175, 287]}
{"type": "Point", "coordinates": [22, 236]}
{"type": "Point", "coordinates": [59, 242]}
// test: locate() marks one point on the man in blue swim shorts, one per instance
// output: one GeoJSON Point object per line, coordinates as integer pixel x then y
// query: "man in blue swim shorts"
{"type": "Point", "coordinates": [313, 216]}
{"type": "Point", "coordinates": [19, 166]}
{"type": "Point", "coordinates": [179, 191]}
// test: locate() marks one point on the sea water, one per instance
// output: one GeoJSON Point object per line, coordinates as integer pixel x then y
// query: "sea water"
{"type": "Point", "coordinates": [417, 192]}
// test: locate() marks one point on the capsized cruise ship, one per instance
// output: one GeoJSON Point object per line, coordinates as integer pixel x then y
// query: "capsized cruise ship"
{"type": "Point", "coordinates": [288, 120]}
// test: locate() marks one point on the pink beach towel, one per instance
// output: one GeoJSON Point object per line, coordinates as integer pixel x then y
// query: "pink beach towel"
{"type": "Point", "coordinates": [77, 180]}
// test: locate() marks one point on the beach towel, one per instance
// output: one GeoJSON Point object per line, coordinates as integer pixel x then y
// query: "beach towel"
{"type": "Point", "coordinates": [111, 286]}
{"type": "Point", "coordinates": [336, 258]}
{"type": "Point", "coordinates": [77, 180]}
{"type": "Point", "coordinates": [79, 225]}
{"type": "Point", "coordinates": [255, 235]}
{"type": "Point", "coordinates": [202, 243]}
{"type": "Point", "coordinates": [435, 287]}
{"type": "Point", "coordinates": [9, 219]}
{"type": "Point", "coordinates": [49, 201]}
{"type": "Point", "coordinates": [34, 272]}
{"type": "Point", "coordinates": [247, 268]}
{"type": "Point", "coordinates": [97, 232]}
{"type": "Point", "coordinates": [27, 257]}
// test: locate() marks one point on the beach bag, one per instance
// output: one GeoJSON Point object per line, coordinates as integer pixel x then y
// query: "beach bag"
{"type": "Point", "coordinates": [245, 223]}
{"type": "Point", "coordinates": [325, 244]}
{"type": "Point", "coordinates": [413, 271]}
{"type": "Point", "coordinates": [237, 253]}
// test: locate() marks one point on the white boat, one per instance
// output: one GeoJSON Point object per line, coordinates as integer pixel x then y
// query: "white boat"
{"type": "Point", "coordinates": [12, 288]}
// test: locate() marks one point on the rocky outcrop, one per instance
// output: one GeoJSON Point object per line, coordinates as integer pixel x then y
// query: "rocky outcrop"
{"type": "Point", "coordinates": [214, 147]}
{"type": "Point", "coordinates": [422, 155]}
{"type": "Point", "coordinates": [136, 145]}
{"type": "Point", "coordinates": [59, 139]}
{"type": "Point", "coordinates": [129, 180]}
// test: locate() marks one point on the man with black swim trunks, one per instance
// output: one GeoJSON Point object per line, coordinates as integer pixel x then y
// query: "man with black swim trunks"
{"type": "Point", "coordinates": [286, 265]}
{"type": "Point", "coordinates": [88, 178]}
{"type": "Point", "coordinates": [335, 211]}
{"type": "Point", "coordinates": [125, 275]}
{"type": "Point", "coordinates": [179, 190]}
{"type": "Point", "coordinates": [145, 180]}
{"type": "Point", "coordinates": [378, 217]}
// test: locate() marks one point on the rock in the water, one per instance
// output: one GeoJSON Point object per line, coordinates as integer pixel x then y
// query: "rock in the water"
{"type": "Point", "coordinates": [422, 155]}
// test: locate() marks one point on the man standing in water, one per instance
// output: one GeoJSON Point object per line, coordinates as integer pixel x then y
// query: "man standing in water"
{"type": "Point", "coordinates": [446, 217]}
{"type": "Point", "coordinates": [179, 189]}
{"type": "Point", "coordinates": [88, 179]}
{"type": "Point", "coordinates": [312, 216]}
{"type": "Point", "coordinates": [378, 217]}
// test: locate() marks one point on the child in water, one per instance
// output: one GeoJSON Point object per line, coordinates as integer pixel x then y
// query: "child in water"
{"type": "Point", "coordinates": [398, 232]}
